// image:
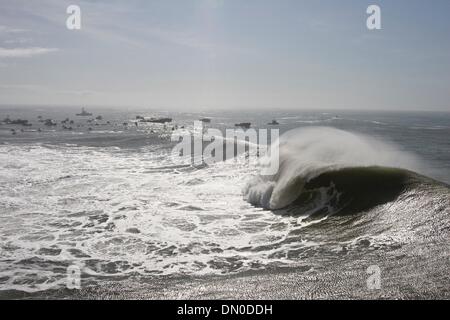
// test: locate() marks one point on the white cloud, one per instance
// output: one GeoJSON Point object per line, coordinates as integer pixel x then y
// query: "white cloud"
{"type": "Point", "coordinates": [17, 41]}
{"type": "Point", "coordinates": [6, 29]}
{"type": "Point", "coordinates": [24, 52]}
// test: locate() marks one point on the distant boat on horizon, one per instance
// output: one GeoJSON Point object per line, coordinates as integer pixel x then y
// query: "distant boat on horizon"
{"type": "Point", "coordinates": [273, 123]}
{"type": "Point", "coordinates": [245, 125]}
{"type": "Point", "coordinates": [84, 113]}
{"type": "Point", "coordinates": [153, 120]}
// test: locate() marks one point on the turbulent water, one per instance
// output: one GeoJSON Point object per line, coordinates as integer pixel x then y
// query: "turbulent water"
{"type": "Point", "coordinates": [109, 197]}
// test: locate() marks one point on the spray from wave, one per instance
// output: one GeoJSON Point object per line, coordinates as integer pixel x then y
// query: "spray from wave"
{"type": "Point", "coordinates": [309, 162]}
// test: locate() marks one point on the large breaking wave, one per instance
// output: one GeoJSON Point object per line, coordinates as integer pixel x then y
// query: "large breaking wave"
{"type": "Point", "coordinates": [327, 170]}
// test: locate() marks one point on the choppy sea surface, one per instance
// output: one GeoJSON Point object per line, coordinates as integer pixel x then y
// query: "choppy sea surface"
{"type": "Point", "coordinates": [107, 196]}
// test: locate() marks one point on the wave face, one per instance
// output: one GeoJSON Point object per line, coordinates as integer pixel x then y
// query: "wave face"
{"type": "Point", "coordinates": [323, 169]}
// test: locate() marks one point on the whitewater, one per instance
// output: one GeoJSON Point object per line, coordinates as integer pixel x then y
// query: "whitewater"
{"type": "Point", "coordinates": [359, 189]}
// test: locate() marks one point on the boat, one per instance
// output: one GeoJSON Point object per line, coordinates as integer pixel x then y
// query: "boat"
{"type": "Point", "coordinates": [245, 125]}
{"type": "Point", "coordinates": [205, 120]}
{"type": "Point", "coordinates": [156, 120]}
{"type": "Point", "coordinates": [20, 122]}
{"type": "Point", "coordinates": [273, 123]}
{"type": "Point", "coordinates": [84, 113]}
{"type": "Point", "coordinates": [50, 122]}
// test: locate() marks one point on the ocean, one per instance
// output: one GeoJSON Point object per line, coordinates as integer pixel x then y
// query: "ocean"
{"type": "Point", "coordinates": [354, 189]}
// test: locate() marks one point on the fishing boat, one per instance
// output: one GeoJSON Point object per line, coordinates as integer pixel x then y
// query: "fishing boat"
{"type": "Point", "coordinates": [84, 113]}
{"type": "Point", "coordinates": [245, 125]}
{"type": "Point", "coordinates": [156, 120]}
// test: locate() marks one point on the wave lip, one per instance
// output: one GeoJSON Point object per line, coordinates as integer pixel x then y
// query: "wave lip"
{"type": "Point", "coordinates": [308, 153]}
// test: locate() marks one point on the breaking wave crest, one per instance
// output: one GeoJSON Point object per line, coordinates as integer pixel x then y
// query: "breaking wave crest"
{"type": "Point", "coordinates": [328, 170]}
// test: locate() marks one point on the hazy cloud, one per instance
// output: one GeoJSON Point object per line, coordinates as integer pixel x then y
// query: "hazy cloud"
{"type": "Point", "coordinates": [6, 30]}
{"type": "Point", "coordinates": [24, 52]}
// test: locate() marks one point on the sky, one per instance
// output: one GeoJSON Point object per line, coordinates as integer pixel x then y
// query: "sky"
{"type": "Point", "coordinates": [227, 54]}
